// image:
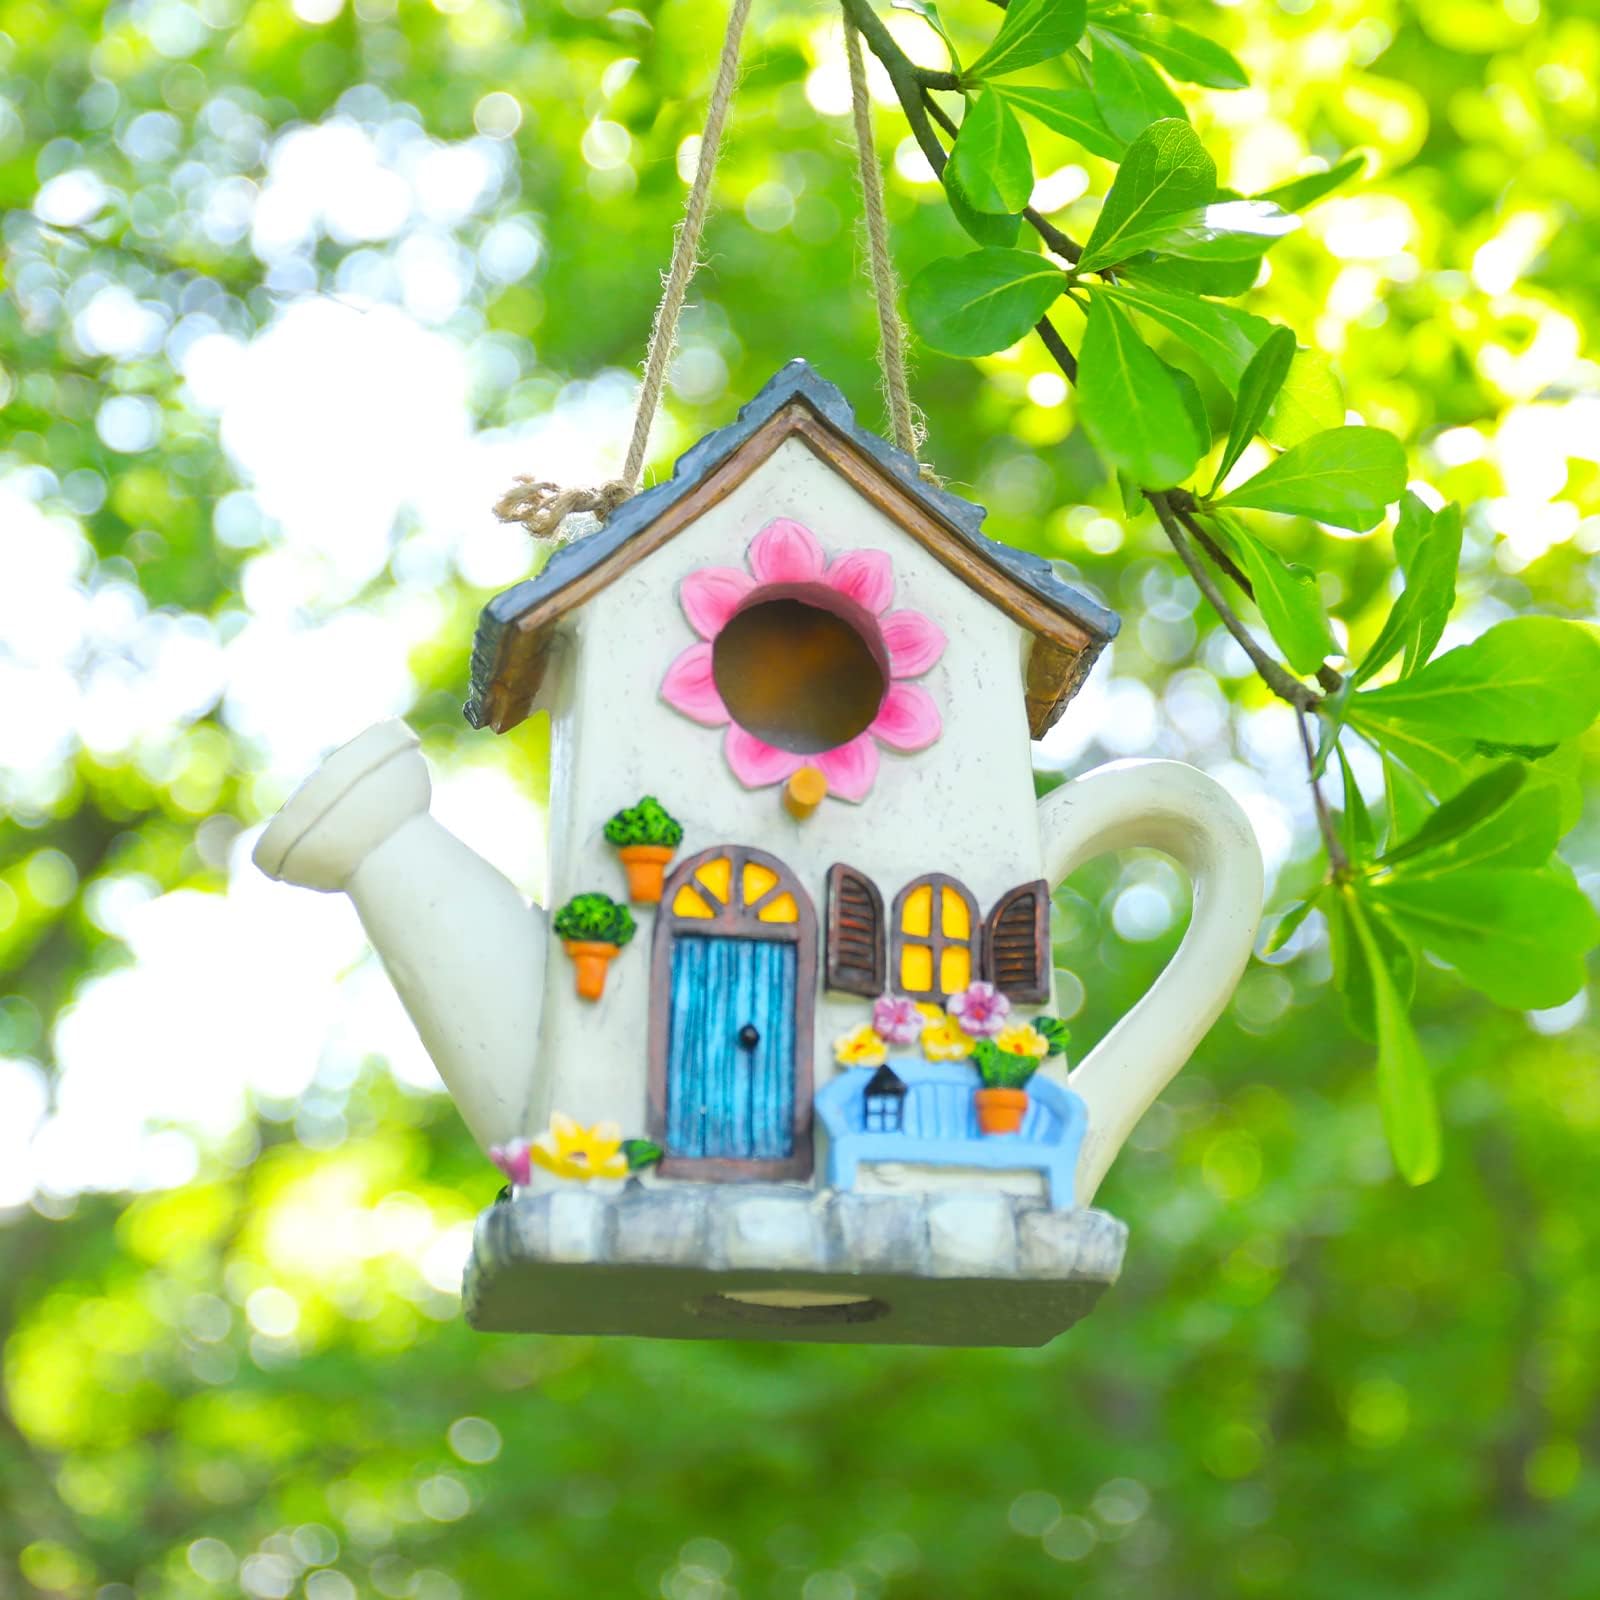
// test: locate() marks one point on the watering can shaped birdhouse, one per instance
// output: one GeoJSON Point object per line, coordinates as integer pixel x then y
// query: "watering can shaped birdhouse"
{"type": "Point", "coordinates": [780, 1059]}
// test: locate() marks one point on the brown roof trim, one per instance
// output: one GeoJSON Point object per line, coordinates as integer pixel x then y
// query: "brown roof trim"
{"type": "Point", "coordinates": [515, 633]}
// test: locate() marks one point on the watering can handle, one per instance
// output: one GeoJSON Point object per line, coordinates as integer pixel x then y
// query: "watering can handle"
{"type": "Point", "coordinates": [1174, 808]}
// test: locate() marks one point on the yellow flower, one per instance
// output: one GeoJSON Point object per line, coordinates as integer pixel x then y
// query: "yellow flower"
{"type": "Point", "coordinates": [944, 1040]}
{"type": "Point", "coordinates": [1023, 1039]}
{"type": "Point", "coordinates": [570, 1151]}
{"type": "Point", "coordinates": [860, 1048]}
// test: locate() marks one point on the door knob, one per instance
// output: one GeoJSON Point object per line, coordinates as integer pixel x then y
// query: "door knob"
{"type": "Point", "coordinates": [749, 1036]}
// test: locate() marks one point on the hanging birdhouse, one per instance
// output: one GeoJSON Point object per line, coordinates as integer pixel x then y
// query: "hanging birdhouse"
{"type": "Point", "coordinates": [822, 1094]}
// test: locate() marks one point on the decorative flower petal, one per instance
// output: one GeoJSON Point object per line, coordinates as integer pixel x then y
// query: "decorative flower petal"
{"type": "Point", "coordinates": [865, 576]}
{"type": "Point", "coordinates": [756, 763]}
{"type": "Point", "coordinates": [980, 1009]}
{"type": "Point", "coordinates": [914, 643]}
{"type": "Point", "coordinates": [689, 687]}
{"type": "Point", "coordinates": [712, 595]}
{"type": "Point", "coordinates": [850, 768]}
{"type": "Point", "coordinates": [897, 1020]}
{"type": "Point", "coordinates": [785, 552]}
{"type": "Point", "coordinates": [908, 719]}
{"type": "Point", "coordinates": [514, 1160]}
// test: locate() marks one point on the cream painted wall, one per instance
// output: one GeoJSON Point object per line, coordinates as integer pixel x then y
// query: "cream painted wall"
{"type": "Point", "coordinates": [964, 806]}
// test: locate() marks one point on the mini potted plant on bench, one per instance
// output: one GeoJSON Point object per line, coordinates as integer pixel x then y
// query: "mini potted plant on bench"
{"type": "Point", "coordinates": [1005, 1063]}
{"type": "Point", "coordinates": [646, 837]}
{"type": "Point", "coordinates": [593, 927]}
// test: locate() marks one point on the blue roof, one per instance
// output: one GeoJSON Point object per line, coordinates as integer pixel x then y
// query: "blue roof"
{"type": "Point", "coordinates": [498, 638]}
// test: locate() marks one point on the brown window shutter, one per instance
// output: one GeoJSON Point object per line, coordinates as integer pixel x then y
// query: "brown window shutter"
{"type": "Point", "coordinates": [855, 958]}
{"type": "Point", "coordinates": [1016, 943]}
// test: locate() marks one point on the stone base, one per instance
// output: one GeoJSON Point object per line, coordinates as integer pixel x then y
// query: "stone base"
{"type": "Point", "coordinates": [754, 1261]}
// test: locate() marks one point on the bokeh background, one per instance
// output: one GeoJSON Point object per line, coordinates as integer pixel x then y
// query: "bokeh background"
{"type": "Point", "coordinates": [290, 292]}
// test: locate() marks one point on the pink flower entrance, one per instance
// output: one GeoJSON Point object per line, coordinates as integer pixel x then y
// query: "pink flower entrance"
{"type": "Point", "coordinates": [787, 562]}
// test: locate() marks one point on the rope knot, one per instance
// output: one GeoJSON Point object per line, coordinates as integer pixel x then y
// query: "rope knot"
{"type": "Point", "coordinates": [542, 507]}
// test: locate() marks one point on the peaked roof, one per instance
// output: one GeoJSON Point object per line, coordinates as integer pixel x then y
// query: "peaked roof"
{"type": "Point", "coordinates": [516, 627]}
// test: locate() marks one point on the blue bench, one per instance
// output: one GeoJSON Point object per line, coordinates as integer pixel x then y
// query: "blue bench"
{"type": "Point", "coordinates": [940, 1126]}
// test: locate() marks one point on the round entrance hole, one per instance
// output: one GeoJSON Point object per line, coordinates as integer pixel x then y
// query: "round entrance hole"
{"type": "Point", "coordinates": [800, 676]}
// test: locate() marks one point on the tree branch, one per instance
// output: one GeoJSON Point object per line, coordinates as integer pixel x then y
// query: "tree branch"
{"type": "Point", "coordinates": [903, 74]}
{"type": "Point", "coordinates": [1174, 508]}
{"type": "Point", "coordinates": [1328, 678]}
{"type": "Point", "coordinates": [1274, 676]}
{"type": "Point", "coordinates": [1338, 861]}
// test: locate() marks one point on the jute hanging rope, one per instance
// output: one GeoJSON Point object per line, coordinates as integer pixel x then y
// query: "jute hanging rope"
{"type": "Point", "coordinates": [903, 416]}
{"type": "Point", "coordinates": [539, 506]}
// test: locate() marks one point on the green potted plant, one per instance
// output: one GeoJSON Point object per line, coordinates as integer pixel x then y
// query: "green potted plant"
{"type": "Point", "coordinates": [1005, 1063]}
{"type": "Point", "coordinates": [593, 927]}
{"type": "Point", "coordinates": [646, 837]}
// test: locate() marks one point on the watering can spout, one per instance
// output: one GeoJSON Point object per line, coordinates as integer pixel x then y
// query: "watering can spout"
{"type": "Point", "coordinates": [463, 948]}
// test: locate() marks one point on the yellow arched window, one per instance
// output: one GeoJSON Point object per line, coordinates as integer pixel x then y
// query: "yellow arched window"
{"type": "Point", "coordinates": [935, 938]}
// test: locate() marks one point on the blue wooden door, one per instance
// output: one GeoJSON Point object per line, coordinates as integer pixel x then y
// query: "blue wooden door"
{"type": "Point", "coordinates": [731, 1049]}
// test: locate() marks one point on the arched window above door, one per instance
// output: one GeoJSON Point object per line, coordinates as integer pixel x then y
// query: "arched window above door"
{"type": "Point", "coordinates": [935, 938]}
{"type": "Point", "coordinates": [711, 893]}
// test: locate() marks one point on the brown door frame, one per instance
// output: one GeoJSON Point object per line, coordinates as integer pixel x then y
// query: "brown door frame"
{"type": "Point", "coordinates": [733, 920]}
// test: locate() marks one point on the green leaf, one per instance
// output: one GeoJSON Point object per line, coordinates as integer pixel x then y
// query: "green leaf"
{"type": "Point", "coordinates": [986, 227]}
{"type": "Point", "coordinates": [1441, 759]}
{"type": "Point", "coordinates": [1071, 112]}
{"type": "Point", "coordinates": [1229, 230]}
{"type": "Point", "coordinates": [1346, 476]}
{"type": "Point", "coordinates": [1290, 602]}
{"type": "Point", "coordinates": [976, 304]}
{"type": "Point", "coordinates": [1408, 802]}
{"type": "Point", "coordinates": [1225, 278]}
{"type": "Point", "coordinates": [1357, 834]}
{"type": "Point", "coordinates": [1132, 408]}
{"type": "Point", "coordinates": [1309, 402]}
{"type": "Point", "coordinates": [1523, 833]}
{"type": "Point", "coordinates": [1188, 56]}
{"type": "Point", "coordinates": [1166, 170]}
{"type": "Point", "coordinates": [1405, 1090]}
{"type": "Point", "coordinates": [1033, 31]}
{"type": "Point", "coordinates": [1288, 925]}
{"type": "Point", "coordinates": [1428, 547]}
{"type": "Point", "coordinates": [1298, 193]}
{"type": "Point", "coordinates": [1127, 89]}
{"type": "Point", "coordinates": [1528, 680]}
{"type": "Point", "coordinates": [1193, 402]}
{"type": "Point", "coordinates": [1352, 971]}
{"type": "Point", "coordinates": [1519, 936]}
{"type": "Point", "coordinates": [641, 1153]}
{"type": "Point", "coordinates": [1224, 338]}
{"type": "Point", "coordinates": [1258, 387]}
{"type": "Point", "coordinates": [1476, 804]}
{"type": "Point", "coordinates": [989, 164]}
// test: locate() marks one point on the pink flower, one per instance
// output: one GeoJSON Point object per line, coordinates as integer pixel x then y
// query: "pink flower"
{"type": "Point", "coordinates": [787, 562]}
{"type": "Point", "coordinates": [897, 1019]}
{"type": "Point", "coordinates": [980, 1008]}
{"type": "Point", "coordinates": [514, 1159]}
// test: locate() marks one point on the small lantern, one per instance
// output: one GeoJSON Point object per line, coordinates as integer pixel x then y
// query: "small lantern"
{"type": "Point", "coordinates": [885, 1102]}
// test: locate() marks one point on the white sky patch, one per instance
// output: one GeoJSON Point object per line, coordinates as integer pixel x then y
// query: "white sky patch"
{"type": "Point", "coordinates": [340, 415]}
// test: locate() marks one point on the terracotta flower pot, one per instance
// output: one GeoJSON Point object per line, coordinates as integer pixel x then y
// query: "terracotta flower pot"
{"type": "Point", "coordinates": [592, 958]}
{"type": "Point", "coordinates": [646, 866]}
{"type": "Point", "coordinates": [1001, 1110]}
